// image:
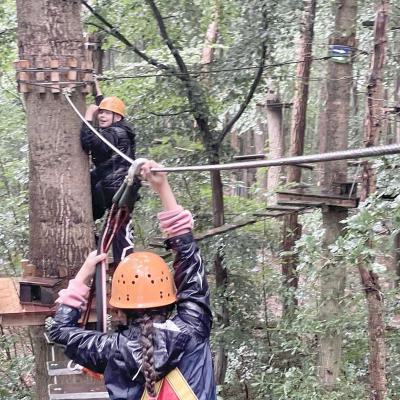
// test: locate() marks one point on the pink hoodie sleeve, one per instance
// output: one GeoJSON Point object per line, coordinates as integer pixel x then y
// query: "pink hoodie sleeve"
{"type": "Point", "coordinates": [75, 295]}
{"type": "Point", "coordinates": [176, 222]}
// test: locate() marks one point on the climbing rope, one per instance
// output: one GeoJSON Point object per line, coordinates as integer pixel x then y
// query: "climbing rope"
{"type": "Point", "coordinates": [67, 94]}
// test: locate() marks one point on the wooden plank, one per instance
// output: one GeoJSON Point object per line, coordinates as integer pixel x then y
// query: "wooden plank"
{"type": "Point", "coordinates": [57, 368]}
{"type": "Point", "coordinates": [159, 242]}
{"type": "Point", "coordinates": [306, 199]}
{"type": "Point", "coordinates": [55, 76]}
{"type": "Point", "coordinates": [285, 208]}
{"type": "Point", "coordinates": [76, 391]}
{"type": "Point", "coordinates": [223, 229]}
{"type": "Point", "coordinates": [249, 157]}
{"type": "Point", "coordinates": [272, 215]}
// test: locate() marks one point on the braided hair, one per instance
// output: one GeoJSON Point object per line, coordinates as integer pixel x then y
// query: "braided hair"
{"type": "Point", "coordinates": [146, 340]}
{"type": "Point", "coordinates": [145, 320]}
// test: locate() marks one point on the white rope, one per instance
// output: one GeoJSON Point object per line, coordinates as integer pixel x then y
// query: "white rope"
{"type": "Point", "coordinates": [67, 93]}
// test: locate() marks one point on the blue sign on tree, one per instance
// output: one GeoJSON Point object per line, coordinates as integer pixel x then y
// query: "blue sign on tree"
{"type": "Point", "coordinates": [340, 53]}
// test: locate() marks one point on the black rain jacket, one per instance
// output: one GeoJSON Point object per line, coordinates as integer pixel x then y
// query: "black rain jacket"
{"type": "Point", "coordinates": [110, 168]}
{"type": "Point", "coordinates": [182, 341]}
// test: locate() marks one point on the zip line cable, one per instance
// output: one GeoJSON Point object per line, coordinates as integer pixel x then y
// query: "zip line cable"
{"type": "Point", "coordinates": [374, 151]}
{"type": "Point", "coordinates": [312, 158]}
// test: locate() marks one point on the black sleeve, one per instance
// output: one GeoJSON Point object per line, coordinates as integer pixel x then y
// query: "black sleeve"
{"type": "Point", "coordinates": [193, 302]}
{"type": "Point", "coordinates": [90, 349]}
{"type": "Point", "coordinates": [92, 143]}
{"type": "Point", "coordinates": [98, 99]}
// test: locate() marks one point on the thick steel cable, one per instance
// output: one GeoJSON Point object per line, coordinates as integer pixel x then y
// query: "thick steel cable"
{"type": "Point", "coordinates": [98, 134]}
{"type": "Point", "coordinates": [312, 158]}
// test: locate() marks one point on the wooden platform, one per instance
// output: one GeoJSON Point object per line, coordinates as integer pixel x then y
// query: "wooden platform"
{"type": "Point", "coordinates": [58, 368]}
{"type": "Point", "coordinates": [313, 198]}
{"type": "Point", "coordinates": [12, 313]}
{"type": "Point", "coordinates": [76, 391]}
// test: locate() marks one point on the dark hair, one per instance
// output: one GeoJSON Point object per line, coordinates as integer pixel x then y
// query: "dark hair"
{"type": "Point", "coordinates": [145, 319]}
{"type": "Point", "coordinates": [146, 340]}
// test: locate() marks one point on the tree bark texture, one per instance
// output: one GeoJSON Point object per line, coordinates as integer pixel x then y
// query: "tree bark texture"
{"type": "Point", "coordinates": [304, 55]}
{"type": "Point", "coordinates": [273, 111]}
{"type": "Point", "coordinates": [372, 131]}
{"type": "Point", "coordinates": [61, 226]}
{"type": "Point", "coordinates": [338, 89]}
{"type": "Point", "coordinates": [333, 277]}
{"type": "Point", "coordinates": [333, 132]}
{"type": "Point", "coordinates": [291, 226]}
{"type": "Point", "coordinates": [221, 275]}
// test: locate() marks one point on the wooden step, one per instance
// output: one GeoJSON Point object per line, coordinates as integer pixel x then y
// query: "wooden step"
{"type": "Point", "coordinates": [77, 391]}
{"type": "Point", "coordinates": [57, 368]}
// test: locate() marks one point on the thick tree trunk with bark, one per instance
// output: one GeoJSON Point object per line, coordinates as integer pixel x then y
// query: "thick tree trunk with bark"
{"type": "Point", "coordinates": [373, 123]}
{"type": "Point", "coordinates": [61, 226]}
{"type": "Point", "coordinates": [333, 137]}
{"type": "Point", "coordinates": [59, 194]}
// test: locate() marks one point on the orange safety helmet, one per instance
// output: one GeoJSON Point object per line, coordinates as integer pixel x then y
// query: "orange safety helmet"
{"type": "Point", "coordinates": [113, 104]}
{"type": "Point", "coordinates": [142, 280]}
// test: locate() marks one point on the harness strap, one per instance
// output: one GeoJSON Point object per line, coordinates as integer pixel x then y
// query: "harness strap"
{"type": "Point", "coordinates": [174, 384]}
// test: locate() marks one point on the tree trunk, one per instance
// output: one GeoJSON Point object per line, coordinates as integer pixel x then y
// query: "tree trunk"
{"type": "Point", "coordinates": [333, 131]}
{"type": "Point", "coordinates": [291, 226]}
{"type": "Point", "coordinates": [333, 277]}
{"type": "Point", "coordinates": [61, 226]}
{"type": "Point", "coordinates": [273, 110]}
{"type": "Point", "coordinates": [59, 195]}
{"type": "Point", "coordinates": [372, 131]}
{"type": "Point", "coordinates": [221, 276]}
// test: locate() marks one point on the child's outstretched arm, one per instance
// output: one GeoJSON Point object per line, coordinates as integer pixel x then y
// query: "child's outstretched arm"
{"type": "Point", "coordinates": [174, 220]}
{"type": "Point", "coordinates": [190, 280]}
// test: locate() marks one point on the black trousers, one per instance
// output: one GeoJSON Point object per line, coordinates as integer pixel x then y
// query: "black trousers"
{"type": "Point", "coordinates": [101, 202]}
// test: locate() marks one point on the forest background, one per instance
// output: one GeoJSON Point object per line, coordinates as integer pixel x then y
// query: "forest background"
{"type": "Point", "coordinates": [271, 337]}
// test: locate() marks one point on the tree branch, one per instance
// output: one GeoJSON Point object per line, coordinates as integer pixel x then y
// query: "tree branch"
{"type": "Point", "coordinates": [194, 91]}
{"type": "Point", "coordinates": [118, 35]}
{"type": "Point", "coordinates": [227, 128]}
{"type": "Point", "coordinates": [164, 34]}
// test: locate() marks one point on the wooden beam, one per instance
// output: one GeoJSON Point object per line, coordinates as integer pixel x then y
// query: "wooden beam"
{"type": "Point", "coordinates": [271, 215]}
{"type": "Point", "coordinates": [249, 157]}
{"type": "Point", "coordinates": [315, 199]}
{"type": "Point", "coordinates": [159, 242]}
{"type": "Point", "coordinates": [223, 229]}
{"type": "Point", "coordinates": [285, 208]}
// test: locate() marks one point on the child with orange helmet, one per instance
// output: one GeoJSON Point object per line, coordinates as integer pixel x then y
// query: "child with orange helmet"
{"type": "Point", "coordinates": [109, 168]}
{"type": "Point", "coordinates": [163, 351]}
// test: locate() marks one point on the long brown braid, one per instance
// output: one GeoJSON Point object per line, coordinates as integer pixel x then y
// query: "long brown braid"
{"type": "Point", "coordinates": [146, 340]}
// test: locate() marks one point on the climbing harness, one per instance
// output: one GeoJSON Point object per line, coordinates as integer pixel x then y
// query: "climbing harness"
{"type": "Point", "coordinates": [122, 205]}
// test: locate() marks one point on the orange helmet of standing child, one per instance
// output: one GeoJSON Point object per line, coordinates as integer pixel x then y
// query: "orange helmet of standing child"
{"type": "Point", "coordinates": [113, 104]}
{"type": "Point", "coordinates": [142, 280]}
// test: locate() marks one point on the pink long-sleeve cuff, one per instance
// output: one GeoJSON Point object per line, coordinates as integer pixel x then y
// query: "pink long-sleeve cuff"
{"type": "Point", "coordinates": [75, 295]}
{"type": "Point", "coordinates": [175, 222]}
